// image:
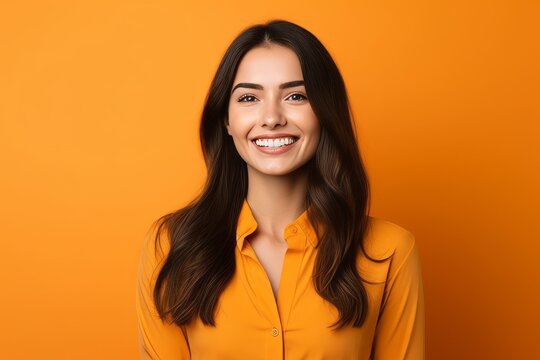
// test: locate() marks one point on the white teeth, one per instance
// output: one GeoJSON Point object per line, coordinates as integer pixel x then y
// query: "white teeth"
{"type": "Point", "coordinates": [274, 142]}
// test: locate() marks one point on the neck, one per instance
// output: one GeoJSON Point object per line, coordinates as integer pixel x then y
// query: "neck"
{"type": "Point", "coordinates": [276, 200]}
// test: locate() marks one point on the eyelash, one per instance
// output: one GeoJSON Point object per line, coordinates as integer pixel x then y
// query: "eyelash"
{"type": "Point", "coordinates": [241, 98]}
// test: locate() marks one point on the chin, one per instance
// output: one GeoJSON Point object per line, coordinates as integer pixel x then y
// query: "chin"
{"type": "Point", "coordinates": [278, 171]}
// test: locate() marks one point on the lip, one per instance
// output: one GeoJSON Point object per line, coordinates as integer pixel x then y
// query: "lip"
{"type": "Point", "coordinates": [275, 151]}
{"type": "Point", "coordinates": [273, 136]}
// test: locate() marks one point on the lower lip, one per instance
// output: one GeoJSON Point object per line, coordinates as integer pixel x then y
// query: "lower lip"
{"type": "Point", "coordinates": [275, 151]}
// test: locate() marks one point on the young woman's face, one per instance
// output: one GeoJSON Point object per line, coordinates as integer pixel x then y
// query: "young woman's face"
{"type": "Point", "coordinates": [269, 100]}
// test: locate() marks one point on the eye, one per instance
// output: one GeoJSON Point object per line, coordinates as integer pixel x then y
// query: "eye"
{"type": "Point", "coordinates": [245, 96]}
{"type": "Point", "coordinates": [302, 97]}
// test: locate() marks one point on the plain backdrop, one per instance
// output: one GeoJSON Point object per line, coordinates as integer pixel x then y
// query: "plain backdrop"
{"type": "Point", "coordinates": [100, 103]}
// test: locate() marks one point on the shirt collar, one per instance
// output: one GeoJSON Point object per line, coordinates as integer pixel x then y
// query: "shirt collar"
{"type": "Point", "coordinates": [300, 228]}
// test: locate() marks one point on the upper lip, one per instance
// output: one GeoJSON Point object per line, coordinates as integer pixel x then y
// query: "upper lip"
{"type": "Point", "coordinates": [273, 136]}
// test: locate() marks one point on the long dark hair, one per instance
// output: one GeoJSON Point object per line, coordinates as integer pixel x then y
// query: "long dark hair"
{"type": "Point", "coordinates": [202, 235]}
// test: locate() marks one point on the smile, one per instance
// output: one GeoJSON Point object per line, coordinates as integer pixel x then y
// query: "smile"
{"type": "Point", "coordinates": [275, 146]}
{"type": "Point", "coordinates": [275, 143]}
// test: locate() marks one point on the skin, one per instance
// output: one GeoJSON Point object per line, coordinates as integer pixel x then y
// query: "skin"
{"type": "Point", "coordinates": [277, 183]}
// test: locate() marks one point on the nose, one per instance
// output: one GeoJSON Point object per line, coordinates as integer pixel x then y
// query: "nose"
{"type": "Point", "coordinates": [272, 114]}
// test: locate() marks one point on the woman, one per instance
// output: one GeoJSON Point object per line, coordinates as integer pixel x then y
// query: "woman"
{"type": "Point", "coordinates": [278, 257]}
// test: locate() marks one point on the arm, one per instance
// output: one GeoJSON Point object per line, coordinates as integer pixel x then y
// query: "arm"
{"type": "Point", "coordinates": [400, 332]}
{"type": "Point", "coordinates": [156, 339]}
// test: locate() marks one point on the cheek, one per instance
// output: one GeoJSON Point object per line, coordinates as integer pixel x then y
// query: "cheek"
{"type": "Point", "coordinates": [311, 125]}
{"type": "Point", "coordinates": [313, 131]}
{"type": "Point", "coordinates": [238, 124]}
{"type": "Point", "coordinates": [238, 131]}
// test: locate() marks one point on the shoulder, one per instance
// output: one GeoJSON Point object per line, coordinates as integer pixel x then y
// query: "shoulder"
{"type": "Point", "coordinates": [154, 249]}
{"type": "Point", "coordinates": [385, 240]}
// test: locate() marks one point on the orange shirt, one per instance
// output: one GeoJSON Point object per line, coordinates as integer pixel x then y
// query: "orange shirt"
{"type": "Point", "coordinates": [251, 324]}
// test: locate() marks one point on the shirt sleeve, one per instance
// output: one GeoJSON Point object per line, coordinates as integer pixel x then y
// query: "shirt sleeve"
{"type": "Point", "coordinates": [157, 339]}
{"type": "Point", "coordinates": [400, 331]}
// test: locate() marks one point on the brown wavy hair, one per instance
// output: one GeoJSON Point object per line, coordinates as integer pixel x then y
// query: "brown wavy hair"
{"type": "Point", "coordinates": [202, 235]}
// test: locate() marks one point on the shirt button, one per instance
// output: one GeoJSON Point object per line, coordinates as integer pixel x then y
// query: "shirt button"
{"type": "Point", "coordinates": [275, 331]}
{"type": "Point", "coordinates": [294, 229]}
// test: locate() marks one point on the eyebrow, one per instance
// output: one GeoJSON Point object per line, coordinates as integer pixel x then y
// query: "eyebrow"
{"type": "Point", "coordinates": [260, 87]}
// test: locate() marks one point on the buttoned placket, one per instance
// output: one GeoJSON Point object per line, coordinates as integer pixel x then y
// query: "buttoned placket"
{"type": "Point", "coordinates": [278, 312]}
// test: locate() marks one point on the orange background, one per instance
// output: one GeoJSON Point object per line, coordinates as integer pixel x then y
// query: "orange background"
{"type": "Point", "coordinates": [100, 105]}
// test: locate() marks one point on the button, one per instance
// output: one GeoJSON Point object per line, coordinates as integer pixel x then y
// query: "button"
{"type": "Point", "coordinates": [275, 331]}
{"type": "Point", "coordinates": [294, 230]}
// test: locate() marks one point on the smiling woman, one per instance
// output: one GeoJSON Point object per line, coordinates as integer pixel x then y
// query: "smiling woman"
{"type": "Point", "coordinates": [278, 256]}
{"type": "Point", "coordinates": [269, 114]}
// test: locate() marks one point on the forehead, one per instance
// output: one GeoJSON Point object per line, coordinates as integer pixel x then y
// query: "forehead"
{"type": "Point", "coordinates": [274, 64]}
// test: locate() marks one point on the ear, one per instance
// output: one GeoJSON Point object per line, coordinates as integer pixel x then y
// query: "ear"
{"type": "Point", "coordinates": [227, 126]}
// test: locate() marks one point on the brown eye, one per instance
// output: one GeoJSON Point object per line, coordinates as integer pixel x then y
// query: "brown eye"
{"type": "Point", "coordinates": [302, 97]}
{"type": "Point", "coordinates": [247, 96]}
